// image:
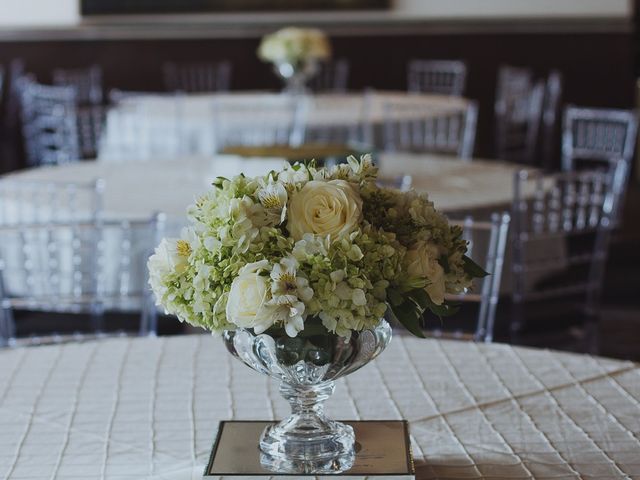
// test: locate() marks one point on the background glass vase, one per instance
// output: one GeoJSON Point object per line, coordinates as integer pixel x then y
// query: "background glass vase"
{"type": "Point", "coordinates": [295, 75]}
{"type": "Point", "coordinates": [307, 365]}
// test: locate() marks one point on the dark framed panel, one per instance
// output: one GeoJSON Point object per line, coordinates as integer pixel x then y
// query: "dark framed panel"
{"type": "Point", "coordinates": [118, 7]}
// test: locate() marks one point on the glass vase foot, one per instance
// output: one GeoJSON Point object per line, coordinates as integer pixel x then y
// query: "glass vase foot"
{"type": "Point", "coordinates": [307, 439]}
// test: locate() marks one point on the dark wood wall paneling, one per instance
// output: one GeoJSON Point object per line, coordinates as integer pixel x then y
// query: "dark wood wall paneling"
{"type": "Point", "coordinates": [598, 67]}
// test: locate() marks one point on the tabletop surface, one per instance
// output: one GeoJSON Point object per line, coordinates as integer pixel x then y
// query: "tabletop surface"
{"type": "Point", "coordinates": [149, 408]}
{"type": "Point", "coordinates": [137, 189]}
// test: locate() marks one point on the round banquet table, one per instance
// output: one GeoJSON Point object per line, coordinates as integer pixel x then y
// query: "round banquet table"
{"type": "Point", "coordinates": [149, 408]}
{"type": "Point", "coordinates": [152, 125]}
{"type": "Point", "coordinates": [136, 190]}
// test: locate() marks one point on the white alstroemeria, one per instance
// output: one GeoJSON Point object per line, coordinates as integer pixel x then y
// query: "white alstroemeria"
{"type": "Point", "coordinates": [273, 197]}
{"type": "Point", "coordinates": [285, 280]}
{"type": "Point", "coordinates": [291, 178]}
{"type": "Point", "coordinates": [311, 245]}
{"type": "Point", "coordinates": [287, 310]}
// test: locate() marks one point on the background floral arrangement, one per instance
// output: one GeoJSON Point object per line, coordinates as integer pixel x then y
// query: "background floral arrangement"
{"type": "Point", "coordinates": [311, 247]}
{"type": "Point", "coordinates": [294, 45]}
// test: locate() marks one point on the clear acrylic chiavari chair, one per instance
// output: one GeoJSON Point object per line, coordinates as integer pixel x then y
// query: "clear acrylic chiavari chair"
{"type": "Point", "coordinates": [594, 136]}
{"type": "Point", "coordinates": [197, 77]}
{"type": "Point", "coordinates": [49, 123]}
{"type": "Point", "coordinates": [446, 77]}
{"type": "Point", "coordinates": [600, 139]}
{"type": "Point", "coordinates": [48, 202]}
{"type": "Point", "coordinates": [561, 231]}
{"type": "Point", "coordinates": [332, 77]}
{"type": "Point", "coordinates": [274, 120]}
{"type": "Point", "coordinates": [89, 267]}
{"type": "Point", "coordinates": [550, 120]}
{"type": "Point", "coordinates": [487, 241]}
{"type": "Point", "coordinates": [518, 111]}
{"type": "Point", "coordinates": [412, 128]}
{"type": "Point", "coordinates": [341, 120]}
{"type": "Point", "coordinates": [138, 128]}
{"type": "Point", "coordinates": [87, 83]}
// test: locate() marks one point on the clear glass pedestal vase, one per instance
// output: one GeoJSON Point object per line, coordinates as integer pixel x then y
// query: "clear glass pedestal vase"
{"type": "Point", "coordinates": [296, 75]}
{"type": "Point", "coordinates": [307, 441]}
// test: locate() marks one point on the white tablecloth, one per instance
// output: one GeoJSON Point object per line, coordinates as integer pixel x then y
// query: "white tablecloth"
{"type": "Point", "coordinates": [152, 125]}
{"type": "Point", "coordinates": [149, 408]}
{"type": "Point", "coordinates": [136, 190]}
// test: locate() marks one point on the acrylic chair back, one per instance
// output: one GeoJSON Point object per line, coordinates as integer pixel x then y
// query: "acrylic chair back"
{"type": "Point", "coordinates": [340, 120]}
{"type": "Point", "coordinates": [275, 120]}
{"type": "Point", "coordinates": [143, 125]}
{"type": "Point", "coordinates": [593, 135]}
{"type": "Point", "coordinates": [413, 128]}
{"type": "Point", "coordinates": [561, 230]}
{"type": "Point", "coordinates": [49, 123]}
{"type": "Point", "coordinates": [551, 120]}
{"type": "Point", "coordinates": [48, 202]}
{"type": "Point", "coordinates": [446, 77]}
{"type": "Point", "coordinates": [332, 76]}
{"type": "Point", "coordinates": [197, 77]}
{"type": "Point", "coordinates": [87, 83]}
{"type": "Point", "coordinates": [518, 112]}
{"type": "Point", "coordinates": [89, 267]}
{"type": "Point", "coordinates": [487, 241]}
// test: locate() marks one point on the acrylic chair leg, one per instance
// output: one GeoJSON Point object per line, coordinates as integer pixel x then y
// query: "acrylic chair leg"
{"type": "Point", "coordinates": [97, 318]}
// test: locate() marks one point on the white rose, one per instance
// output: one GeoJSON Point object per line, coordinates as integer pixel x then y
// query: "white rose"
{"type": "Point", "coordinates": [248, 294]}
{"type": "Point", "coordinates": [422, 261]}
{"type": "Point", "coordinates": [331, 208]}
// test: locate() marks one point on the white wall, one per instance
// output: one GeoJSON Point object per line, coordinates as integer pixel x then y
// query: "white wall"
{"type": "Point", "coordinates": [27, 13]}
{"type": "Point", "coordinates": [515, 8]}
{"type": "Point", "coordinates": [34, 13]}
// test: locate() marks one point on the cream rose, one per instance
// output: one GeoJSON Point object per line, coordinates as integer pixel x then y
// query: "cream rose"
{"type": "Point", "coordinates": [248, 294]}
{"type": "Point", "coordinates": [422, 261]}
{"type": "Point", "coordinates": [323, 208]}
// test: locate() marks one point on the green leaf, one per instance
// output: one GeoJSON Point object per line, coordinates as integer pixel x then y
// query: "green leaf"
{"type": "Point", "coordinates": [421, 298]}
{"type": "Point", "coordinates": [444, 310]}
{"type": "Point", "coordinates": [472, 268]}
{"type": "Point", "coordinates": [395, 297]}
{"type": "Point", "coordinates": [409, 315]}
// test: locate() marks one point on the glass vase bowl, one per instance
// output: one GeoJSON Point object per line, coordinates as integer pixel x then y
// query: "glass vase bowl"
{"type": "Point", "coordinates": [307, 366]}
{"type": "Point", "coordinates": [295, 75]}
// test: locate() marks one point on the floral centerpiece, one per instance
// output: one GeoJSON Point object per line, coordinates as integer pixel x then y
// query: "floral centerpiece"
{"type": "Point", "coordinates": [295, 53]}
{"type": "Point", "coordinates": [298, 269]}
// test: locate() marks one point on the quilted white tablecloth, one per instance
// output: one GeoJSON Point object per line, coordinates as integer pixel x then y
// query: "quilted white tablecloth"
{"type": "Point", "coordinates": [148, 408]}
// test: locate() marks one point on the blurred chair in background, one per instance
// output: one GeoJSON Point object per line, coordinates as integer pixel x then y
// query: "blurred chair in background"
{"type": "Point", "coordinates": [412, 128]}
{"type": "Point", "coordinates": [601, 139]}
{"type": "Point", "coordinates": [341, 120]}
{"type": "Point", "coordinates": [561, 231]}
{"type": "Point", "coordinates": [276, 120]}
{"type": "Point", "coordinates": [518, 111]}
{"type": "Point", "coordinates": [595, 137]}
{"type": "Point", "coordinates": [59, 254]}
{"type": "Point", "coordinates": [49, 123]}
{"type": "Point", "coordinates": [12, 96]}
{"type": "Point", "coordinates": [487, 245]}
{"type": "Point", "coordinates": [87, 83]}
{"type": "Point", "coordinates": [197, 77]}
{"type": "Point", "coordinates": [332, 76]}
{"type": "Point", "coordinates": [2, 86]}
{"type": "Point", "coordinates": [446, 77]}
{"type": "Point", "coordinates": [90, 112]}
{"type": "Point", "coordinates": [550, 132]}
{"type": "Point", "coordinates": [142, 125]}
